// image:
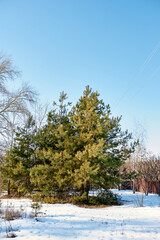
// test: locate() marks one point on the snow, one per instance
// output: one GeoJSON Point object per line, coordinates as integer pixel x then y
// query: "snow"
{"type": "Point", "coordinates": [66, 221]}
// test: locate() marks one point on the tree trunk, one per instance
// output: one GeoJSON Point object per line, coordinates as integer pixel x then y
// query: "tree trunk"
{"type": "Point", "coordinates": [9, 190]}
{"type": "Point", "coordinates": [157, 188]}
{"type": "Point", "coordinates": [87, 190]}
{"type": "Point", "coordinates": [133, 186]}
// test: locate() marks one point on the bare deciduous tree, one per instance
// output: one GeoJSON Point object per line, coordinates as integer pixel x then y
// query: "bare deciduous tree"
{"type": "Point", "coordinates": [154, 162]}
{"type": "Point", "coordinates": [12, 102]}
{"type": "Point", "coordinates": [140, 150]}
{"type": "Point", "coordinates": [40, 114]}
{"type": "Point", "coordinates": [149, 173]}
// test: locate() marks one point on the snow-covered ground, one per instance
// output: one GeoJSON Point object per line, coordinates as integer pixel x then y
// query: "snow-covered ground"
{"type": "Point", "coordinates": [66, 221]}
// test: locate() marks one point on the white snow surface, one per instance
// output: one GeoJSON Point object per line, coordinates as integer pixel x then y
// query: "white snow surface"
{"type": "Point", "coordinates": [66, 221]}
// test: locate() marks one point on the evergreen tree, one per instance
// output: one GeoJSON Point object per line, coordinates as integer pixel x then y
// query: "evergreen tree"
{"type": "Point", "coordinates": [101, 146]}
{"type": "Point", "coordinates": [18, 161]}
{"type": "Point", "coordinates": [55, 170]}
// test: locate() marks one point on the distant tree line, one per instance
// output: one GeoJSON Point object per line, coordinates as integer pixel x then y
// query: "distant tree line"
{"type": "Point", "coordinates": [142, 171]}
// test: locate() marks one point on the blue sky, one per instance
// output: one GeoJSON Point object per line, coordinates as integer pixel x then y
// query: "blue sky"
{"type": "Point", "coordinates": [113, 46]}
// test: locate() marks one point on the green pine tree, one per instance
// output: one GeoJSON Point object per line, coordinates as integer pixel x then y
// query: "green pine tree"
{"type": "Point", "coordinates": [20, 159]}
{"type": "Point", "coordinates": [55, 171]}
{"type": "Point", "coordinates": [101, 146]}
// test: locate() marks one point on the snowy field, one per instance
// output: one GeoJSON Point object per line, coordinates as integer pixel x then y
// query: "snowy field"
{"type": "Point", "coordinates": [66, 221]}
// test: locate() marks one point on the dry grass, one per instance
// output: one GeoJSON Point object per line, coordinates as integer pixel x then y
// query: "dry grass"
{"type": "Point", "coordinates": [11, 214]}
{"type": "Point", "coordinates": [92, 206]}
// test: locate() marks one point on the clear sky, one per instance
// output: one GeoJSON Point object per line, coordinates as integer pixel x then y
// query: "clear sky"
{"type": "Point", "coordinates": [111, 45]}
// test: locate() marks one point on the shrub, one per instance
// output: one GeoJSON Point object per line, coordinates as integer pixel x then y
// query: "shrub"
{"type": "Point", "coordinates": [108, 198]}
{"type": "Point", "coordinates": [36, 197]}
{"type": "Point", "coordinates": [50, 200]}
{"type": "Point", "coordinates": [36, 206]}
{"type": "Point", "coordinates": [10, 213]}
{"type": "Point", "coordinates": [139, 200]}
{"type": "Point", "coordinates": [103, 198]}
